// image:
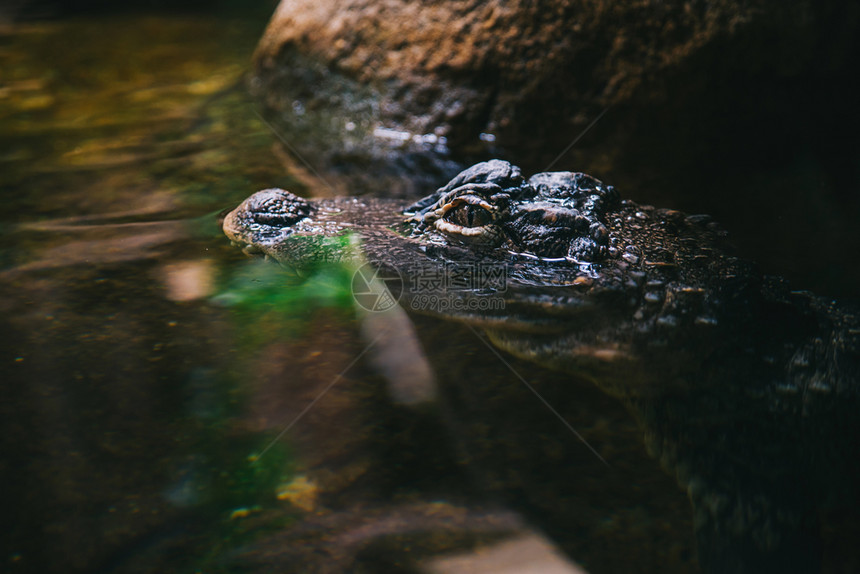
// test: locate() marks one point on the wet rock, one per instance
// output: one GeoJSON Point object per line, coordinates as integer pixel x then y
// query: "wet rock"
{"type": "Point", "coordinates": [397, 96]}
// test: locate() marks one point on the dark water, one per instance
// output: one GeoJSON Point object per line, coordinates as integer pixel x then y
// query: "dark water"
{"type": "Point", "coordinates": [148, 368]}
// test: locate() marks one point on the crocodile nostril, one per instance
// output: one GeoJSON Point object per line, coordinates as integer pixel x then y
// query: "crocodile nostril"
{"type": "Point", "coordinates": [278, 208]}
{"type": "Point", "coordinates": [279, 219]}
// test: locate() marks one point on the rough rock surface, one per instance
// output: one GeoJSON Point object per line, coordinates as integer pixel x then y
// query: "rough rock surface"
{"type": "Point", "coordinates": [374, 84]}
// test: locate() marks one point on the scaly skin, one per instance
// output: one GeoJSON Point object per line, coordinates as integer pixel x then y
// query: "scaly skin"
{"type": "Point", "coordinates": [747, 392]}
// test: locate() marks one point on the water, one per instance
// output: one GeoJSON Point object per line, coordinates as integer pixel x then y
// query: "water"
{"type": "Point", "coordinates": [125, 434]}
{"type": "Point", "coordinates": [149, 370]}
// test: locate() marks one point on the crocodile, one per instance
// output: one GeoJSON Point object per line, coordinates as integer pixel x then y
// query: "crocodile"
{"type": "Point", "coordinates": [747, 391]}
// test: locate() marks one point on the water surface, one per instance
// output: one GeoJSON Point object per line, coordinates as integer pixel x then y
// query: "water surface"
{"type": "Point", "coordinates": [124, 434]}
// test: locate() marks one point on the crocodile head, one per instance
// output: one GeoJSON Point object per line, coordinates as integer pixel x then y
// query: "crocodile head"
{"type": "Point", "coordinates": [556, 268]}
{"type": "Point", "coordinates": [489, 209]}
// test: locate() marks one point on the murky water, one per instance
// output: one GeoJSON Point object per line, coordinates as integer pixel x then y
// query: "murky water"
{"type": "Point", "coordinates": [125, 433]}
{"type": "Point", "coordinates": [157, 383]}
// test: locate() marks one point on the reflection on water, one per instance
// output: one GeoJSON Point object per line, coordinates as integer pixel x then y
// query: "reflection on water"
{"type": "Point", "coordinates": [188, 280]}
{"type": "Point", "coordinates": [125, 439]}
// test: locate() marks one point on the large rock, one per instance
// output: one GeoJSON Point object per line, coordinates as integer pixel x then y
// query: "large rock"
{"type": "Point", "coordinates": [359, 86]}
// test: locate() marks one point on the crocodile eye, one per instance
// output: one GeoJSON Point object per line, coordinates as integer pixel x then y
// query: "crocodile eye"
{"type": "Point", "coordinates": [468, 215]}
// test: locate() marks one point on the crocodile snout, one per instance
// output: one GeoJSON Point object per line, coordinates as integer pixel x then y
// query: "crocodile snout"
{"type": "Point", "coordinates": [266, 217]}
